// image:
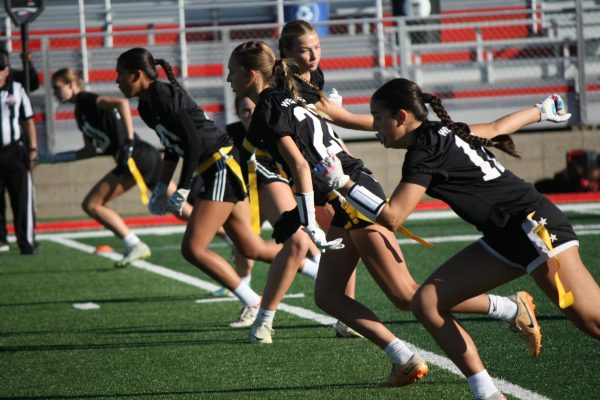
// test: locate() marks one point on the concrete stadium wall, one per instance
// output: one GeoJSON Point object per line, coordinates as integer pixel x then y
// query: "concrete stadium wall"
{"type": "Point", "coordinates": [60, 188]}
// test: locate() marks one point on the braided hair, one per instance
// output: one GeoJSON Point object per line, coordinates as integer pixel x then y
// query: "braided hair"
{"type": "Point", "coordinates": [256, 55]}
{"type": "Point", "coordinates": [141, 59]}
{"type": "Point", "coordinates": [404, 94]}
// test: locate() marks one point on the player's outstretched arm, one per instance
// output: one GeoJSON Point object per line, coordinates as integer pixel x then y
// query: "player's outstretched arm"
{"type": "Point", "coordinates": [552, 109]}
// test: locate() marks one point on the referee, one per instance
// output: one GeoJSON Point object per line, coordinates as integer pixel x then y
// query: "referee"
{"type": "Point", "coordinates": [16, 160]}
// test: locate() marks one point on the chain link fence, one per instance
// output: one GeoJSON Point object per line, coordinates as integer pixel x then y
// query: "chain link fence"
{"type": "Point", "coordinates": [482, 63]}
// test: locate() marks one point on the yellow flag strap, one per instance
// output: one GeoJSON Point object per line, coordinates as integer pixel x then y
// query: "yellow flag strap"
{"type": "Point", "coordinates": [139, 180]}
{"type": "Point", "coordinates": [255, 150]}
{"type": "Point", "coordinates": [353, 213]}
{"type": "Point", "coordinates": [253, 194]}
{"type": "Point", "coordinates": [230, 161]}
{"type": "Point", "coordinates": [565, 299]}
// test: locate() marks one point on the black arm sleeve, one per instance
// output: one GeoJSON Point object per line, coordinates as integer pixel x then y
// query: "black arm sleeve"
{"type": "Point", "coordinates": [193, 145]}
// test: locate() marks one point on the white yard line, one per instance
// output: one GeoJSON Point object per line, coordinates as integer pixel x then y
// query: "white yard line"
{"type": "Point", "coordinates": [432, 358]}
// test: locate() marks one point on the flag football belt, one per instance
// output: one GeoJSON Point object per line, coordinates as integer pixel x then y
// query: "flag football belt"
{"type": "Point", "coordinates": [230, 161]}
{"type": "Point", "coordinates": [253, 182]}
{"type": "Point", "coordinates": [139, 180]}
{"type": "Point", "coordinates": [356, 216]}
{"type": "Point", "coordinates": [539, 236]}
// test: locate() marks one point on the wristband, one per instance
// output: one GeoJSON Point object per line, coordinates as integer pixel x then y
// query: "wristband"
{"type": "Point", "coordinates": [366, 201]}
{"type": "Point", "coordinates": [306, 208]}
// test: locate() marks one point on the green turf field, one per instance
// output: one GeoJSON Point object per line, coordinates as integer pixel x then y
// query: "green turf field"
{"type": "Point", "coordinates": [150, 338]}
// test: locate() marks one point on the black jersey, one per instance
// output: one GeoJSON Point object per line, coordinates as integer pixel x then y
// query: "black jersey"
{"type": "Point", "coordinates": [103, 127]}
{"type": "Point", "coordinates": [237, 133]}
{"type": "Point", "coordinates": [276, 115]}
{"type": "Point", "coordinates": [473, 183]}
{"type": "Point", "coordinates": [182, 126]}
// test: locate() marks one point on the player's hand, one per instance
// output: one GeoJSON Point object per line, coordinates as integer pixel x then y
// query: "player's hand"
{"type": "Point", "coordinates": [330, 171]}
{"type": "Point", "coordinates": [319, 238]}
{"type": "Point", "coordinates": [553, 109]}
{"type": "Point", "coordinates": [286, 225]}
{"type": "Point", "coordinates": [125, 152]}
{"type": "Point", "coordinates": [158, 201]}
{"type": "Point", "coordinates": [177, 200]}
{"type": "Point", "coordinates": [334, 97]}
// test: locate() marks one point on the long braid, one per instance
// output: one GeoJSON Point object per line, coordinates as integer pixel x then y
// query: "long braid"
{"type": "Point", "coordinates": [169, 71]}
{"type": "Point", "coordinates": [501, 142]}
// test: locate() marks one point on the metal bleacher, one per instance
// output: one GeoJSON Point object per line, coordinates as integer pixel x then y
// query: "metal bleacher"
{"type": "Point", "coordinates": [484, 62]}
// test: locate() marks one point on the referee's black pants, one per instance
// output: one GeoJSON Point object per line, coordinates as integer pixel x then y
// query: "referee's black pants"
{"type": "Point", "coordinates": [18, 181]}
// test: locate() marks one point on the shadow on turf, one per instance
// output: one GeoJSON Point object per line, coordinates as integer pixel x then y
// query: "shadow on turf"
{"type": "Point", "coordinates": [262, 390]}
{"type": "Point", "coordinates": [106, 301]}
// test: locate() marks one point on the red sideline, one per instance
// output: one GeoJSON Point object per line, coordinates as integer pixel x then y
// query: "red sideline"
{"type": "Point", "coordinates": [144, 221]}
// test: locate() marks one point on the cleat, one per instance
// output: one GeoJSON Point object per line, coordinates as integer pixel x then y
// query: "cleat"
{"type": "Point", "coordinates": [525, 323]}
{"type": "Point", "coordinates": [261, 333]}
{"type": "Point", "coordinates": [4, 247]}
{"type": "Point", "coordinates": [139, 251]}
{"type": "Point", "coordinates": [495, 396]}
{"type": "Point", "coordinates": [405, 374]}
{"type": "Point", "coordinates": [344, 331]}
{"type": "Point", "coordinates": [221, 292]}
{"type": "Point", "coordinates": [246, 318]}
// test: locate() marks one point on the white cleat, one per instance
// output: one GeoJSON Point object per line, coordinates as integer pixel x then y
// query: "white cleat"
{"type": "Point", "coordinates": [139, 251]}
{"type": "Point", "coordinates": [261, 333]}
{"type": "Point", "coordinates": [246, 318]}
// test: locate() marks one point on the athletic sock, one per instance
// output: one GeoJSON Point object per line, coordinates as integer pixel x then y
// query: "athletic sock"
{"type": "Point", "coordinates": [265, 316]}
{"type": "Point", "coordinates": [482, 385]}
{"type": "Point", "coordinates": [310, 268]}
{"type": "Point", "coordinates": [502, 308]}
{"type": "Point", "coordinates": [246, 295]}
{"type": "Point", "coordinates": [131, 240]}
{"type": "Point", "coordinates": [398, 352]}
{"type": "Point", "coordinates": [246, 279]}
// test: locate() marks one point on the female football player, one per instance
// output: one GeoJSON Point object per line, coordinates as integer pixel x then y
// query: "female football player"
{"type": "Point", "coordinates": [270, 183]}
{"type": "Point", "coordinates": [105, 122]}
{"type": "Point", "coordinates": [523, 232]}
{"type": "Point", "coordinates": [299, 139]}
{"type": "Point", "coordinates": [186, 131]}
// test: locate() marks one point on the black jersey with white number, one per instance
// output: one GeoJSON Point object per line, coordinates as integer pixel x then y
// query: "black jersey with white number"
{"type": "Point", "coordinates": [276, 115]}
{"type": "Point", "coordinates": [103, 127]}
{"type": "Point", "coordinates": [473, 183]}
{"type": "Point", "coordinates": [182, 126]}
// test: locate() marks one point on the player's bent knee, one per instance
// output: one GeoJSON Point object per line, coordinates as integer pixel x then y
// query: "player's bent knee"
{"type": "Point", "coordinates": [423, 304]}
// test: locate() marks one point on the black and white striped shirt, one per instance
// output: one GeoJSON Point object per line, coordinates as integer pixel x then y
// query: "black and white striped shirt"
{"type": "Point", "coordinates": [14, 106]}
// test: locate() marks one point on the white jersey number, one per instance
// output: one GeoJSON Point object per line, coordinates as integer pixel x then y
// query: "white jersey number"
{"type": "Point", "coordinates": [334, 146]}
{"type": "Point", "coordinates": [490, 167]}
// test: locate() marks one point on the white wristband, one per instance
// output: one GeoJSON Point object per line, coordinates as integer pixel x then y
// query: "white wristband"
{"type": "Point", "coordinates": [306, 208]}
{"type": "Point", "coordinates": [366, 201]}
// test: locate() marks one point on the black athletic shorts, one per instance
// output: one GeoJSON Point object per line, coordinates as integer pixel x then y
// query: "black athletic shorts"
{"type": "Point", "coordinates": [514, 246]}
{"type": "Point", "coordinates": [219, 183]}
{"type": "Point", "coordinates": [148, 160]}
{"type": "Point", "coordinates": [267, 171]}
{"type": "Point", "coordinates": [345, 217]}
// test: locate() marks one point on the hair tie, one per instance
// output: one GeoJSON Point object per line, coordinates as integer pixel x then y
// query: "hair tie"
{"type": "Point", "coordinates": [427, 98]}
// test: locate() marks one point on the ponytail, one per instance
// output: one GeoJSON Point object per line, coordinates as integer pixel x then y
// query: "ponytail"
{"type": "Point", "coordinates": [141, 59]}
{"type": "Point", "coordinates": [285, 77]}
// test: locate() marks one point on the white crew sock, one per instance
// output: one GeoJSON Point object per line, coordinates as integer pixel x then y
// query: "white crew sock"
{"type": "Point", "coordinates": [265, 315]}
{"type": "Point", "coordinates": [316, 258]}
{"type": "Point", "coordinates": [398, 352]}
{"type": "Point", "coordinates": [246, 279]}
{"type": "Point", "coordinates": [246, 295]}
{"type": "Point", "coordinates": [131, 240]}
{"type": "Point", "coordinates": [310, 268]}
{"type": "Point", "coordinates": [502, 308]}
{"type": "Point", "coordinates": [482, 385]}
